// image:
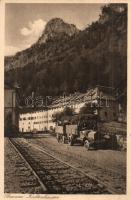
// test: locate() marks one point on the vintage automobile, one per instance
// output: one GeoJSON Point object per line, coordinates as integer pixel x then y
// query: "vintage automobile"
{"type": "Point", "coordinates": [96, 140]}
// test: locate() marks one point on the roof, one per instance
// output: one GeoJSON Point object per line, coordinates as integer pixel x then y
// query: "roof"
{"type": "Point", "coordinates": [90, 95]}
{"type": "Point", "coordinates": [24, 110]}
{"type": "Point", "coordinates": [76, 98]}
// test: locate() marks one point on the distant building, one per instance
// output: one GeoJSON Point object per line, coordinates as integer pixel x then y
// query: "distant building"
{"type": "Point", "coordinates": [106, 108]}
{"type": "Point", "coordinates": [10, 110]}
{"type": "Point", "coordinates": [33, 121]}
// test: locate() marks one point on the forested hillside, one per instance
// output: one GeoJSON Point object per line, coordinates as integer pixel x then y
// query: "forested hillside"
{"type": "Point", "coordinates": [66, 59]}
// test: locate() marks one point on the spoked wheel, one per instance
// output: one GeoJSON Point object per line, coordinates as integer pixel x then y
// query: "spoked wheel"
{"type": "Point", "coordinates": [87, 144]}
{"type": "Point", "coordinates": [63, 139]}
{"type": "Point", "coordinates": [58, 137]}
{"type": "Point", "coordinates": [70, 142]}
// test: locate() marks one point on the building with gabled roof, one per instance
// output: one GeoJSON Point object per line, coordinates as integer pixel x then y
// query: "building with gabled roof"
{"type": "Point", "coordinates": [42, 118]}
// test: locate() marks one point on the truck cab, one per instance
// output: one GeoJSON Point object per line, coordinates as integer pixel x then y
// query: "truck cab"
{"type": "Point", "coordinates": [80, 129]}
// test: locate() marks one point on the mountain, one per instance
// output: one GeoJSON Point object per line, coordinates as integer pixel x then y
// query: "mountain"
{"type": "Point", "coordinates": [65, 59]}
{"type": "Point", "coordinates": [55, 27]}
{"type": "Point", "coordinates": [55, 30]}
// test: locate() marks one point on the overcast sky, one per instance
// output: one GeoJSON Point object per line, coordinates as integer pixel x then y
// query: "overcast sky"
{"type": "Point", "coordinates": [24, 23]}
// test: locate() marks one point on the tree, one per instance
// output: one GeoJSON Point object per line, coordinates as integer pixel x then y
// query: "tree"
{"type": "Point", "coordinates": [57, 116]}
{"type": "Point", "coordinates": [62, 116]}
{"type": "Point", "coordinates": [68, 111]}
{"type": "Point", "coordinates": [88, 109]}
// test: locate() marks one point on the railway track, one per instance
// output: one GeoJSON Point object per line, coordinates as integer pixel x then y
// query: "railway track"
{"type": "Point", "coordinates": [56, 176]}
{"type": "Point", "coordinates": [114, 178]}
{"type": "Point", "coordinates": [110, 170]}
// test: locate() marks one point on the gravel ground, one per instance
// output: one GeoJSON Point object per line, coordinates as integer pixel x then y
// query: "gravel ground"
{"type": "Point", "coordinates": [58, 177]}
{"type": "Point", "coordinates": [18, 177]}
{"type": "Point", "coordinates": [107, 165]}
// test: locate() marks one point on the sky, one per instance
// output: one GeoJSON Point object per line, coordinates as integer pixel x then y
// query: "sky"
{"type": "Point", "coordinates": [25, 22]}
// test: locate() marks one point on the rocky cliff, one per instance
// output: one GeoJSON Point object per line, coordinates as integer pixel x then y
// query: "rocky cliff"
{"type": "Point", "coordinates": [55, 27]}
{"type": "Point", "coordinates": [65, 59]}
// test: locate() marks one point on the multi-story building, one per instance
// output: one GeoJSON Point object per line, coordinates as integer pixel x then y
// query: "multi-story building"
{"type": "Point", "coordinates": [105, 105]}
{"type": "Point", "coordinates": [33, 121]}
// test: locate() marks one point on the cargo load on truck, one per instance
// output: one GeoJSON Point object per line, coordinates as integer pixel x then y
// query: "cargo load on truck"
{"type": "Point", "coordinates": [70, 130]}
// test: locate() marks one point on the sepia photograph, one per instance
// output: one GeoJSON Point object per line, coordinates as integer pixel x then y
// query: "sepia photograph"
{"type": "Point", "coordinates": [65, 98]}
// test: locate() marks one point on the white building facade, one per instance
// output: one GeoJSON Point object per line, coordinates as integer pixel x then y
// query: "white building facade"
{"type": "Point", "coordinates": [42, 119]}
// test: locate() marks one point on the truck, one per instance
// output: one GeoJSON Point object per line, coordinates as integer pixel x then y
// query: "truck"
{"type": "Point", "coordinates": [60, 131]}
{"type": "Point", "coordinates": [85, 131]}
{"type": "Point", "coordinates": [77, 129]}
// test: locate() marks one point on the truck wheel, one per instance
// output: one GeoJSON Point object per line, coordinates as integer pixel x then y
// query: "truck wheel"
{"type": "Point", "coordinates": [83, 141]}
{"type": "Point", "coordinates": [58, 138]}
{"type": "Point", "coordinates": [87, 144]}
{"type": "Point", "coordinates": [63, 139]}
{"type": "Point", "coordinates": [70, 141]}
